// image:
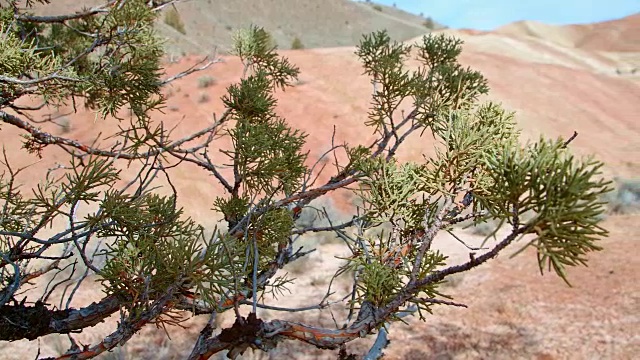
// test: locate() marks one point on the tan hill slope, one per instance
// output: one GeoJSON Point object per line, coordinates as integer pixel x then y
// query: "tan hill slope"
{"type": "Point", "coordinates": [617, 40]}
{"type": "Point", "coordinates": [615, 35]}
{"type": "Point", "coordinates": [211, 23]}
{"type": "Point", "coordinates": [610, 47]}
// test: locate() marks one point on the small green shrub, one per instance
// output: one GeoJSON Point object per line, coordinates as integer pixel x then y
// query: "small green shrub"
{"type": "Point", "coordinates": [172, 18]}
{"type": "Point", "coordinates": [377, 8]}
{"type": "Point", "coordinates": [296, 44]}
{"type": "Point", "coordinates": [206, 81]}
{"type": "Point", "coordinates": [429, 23]}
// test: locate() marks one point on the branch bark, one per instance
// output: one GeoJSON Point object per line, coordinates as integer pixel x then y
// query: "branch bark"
{"type": "Point", "coordinates": [31, 322]}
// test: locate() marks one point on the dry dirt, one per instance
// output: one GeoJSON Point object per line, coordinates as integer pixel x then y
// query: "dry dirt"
{"type": "Point", "coordinates": [555, 87]}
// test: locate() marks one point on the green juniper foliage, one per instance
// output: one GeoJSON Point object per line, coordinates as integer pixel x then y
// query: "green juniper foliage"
{"type": "Point", "coordinates": [153, 260]}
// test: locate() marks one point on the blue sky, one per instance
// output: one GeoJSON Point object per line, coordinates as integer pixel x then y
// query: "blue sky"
{"type": "Point", "coordinates": [489, 14]}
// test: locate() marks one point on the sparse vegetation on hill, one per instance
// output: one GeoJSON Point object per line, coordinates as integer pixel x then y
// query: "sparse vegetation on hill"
{"type": "Point", "coordinates": [297, 44]}
{"type": "Point", "coordinates": [172, 18]}
{"type": "Point", "coordinates": [429, 23]}
{"type": "Point", "coordinates": [206, 81]}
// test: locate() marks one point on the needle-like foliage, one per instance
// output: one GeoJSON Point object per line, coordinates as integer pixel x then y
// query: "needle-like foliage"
{"type": "Point", "coordinates": [110, 212]}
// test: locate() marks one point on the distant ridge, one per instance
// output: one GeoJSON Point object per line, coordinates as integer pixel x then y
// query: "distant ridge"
{"type": "Point", "coordinates": [210, 24]}
{"type": "Point", "coordinates": [620, 35]}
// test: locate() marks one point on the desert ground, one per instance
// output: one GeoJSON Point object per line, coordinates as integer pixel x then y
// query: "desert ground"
{"type": "Point", "coordinates": [557, 79]}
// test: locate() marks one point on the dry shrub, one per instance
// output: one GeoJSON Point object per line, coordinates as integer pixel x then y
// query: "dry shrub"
{"type": "Point", "coordinates": [173, 19]}
{"type": "Point", "coordinates": [626, 197]}
{"type": "Point", "coordinates": [206, 81]}
{"type": "Point", "coordinates": [429, 23]}
{"type": "Point", "coordinates": [297, 44]}
{"type": "Point", "coordinates": [203, 98]}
